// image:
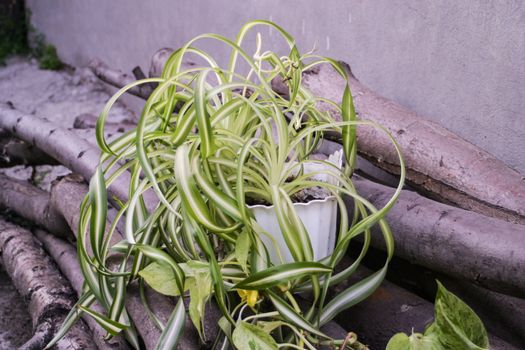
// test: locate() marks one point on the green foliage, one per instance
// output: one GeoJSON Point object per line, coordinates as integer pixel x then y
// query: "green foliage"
{"type": "Point", "coordinates": [210, 141]}
{"type": "Point", "coordinates": [242, 249]}
{"type": "Point", "coordinates": [252, 337]}
{"type": "Point", "coordinates": [48, 59]}
{"type": "Point", "coordinates": [14, 32]}
{"type": "Point", "coordinates": [200, 287]}
{"type": "Point", "coordinates": [161, 278]}
{"type": "Point", "coordinates": [45, 53]}
{"type": "Point", "coordinates": [13, 29]}
{"type": "Point", "coordinates": [456, 326]}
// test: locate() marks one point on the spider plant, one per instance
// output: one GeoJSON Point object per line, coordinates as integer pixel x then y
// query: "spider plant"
{"type": "Point", "coordinates": [210, 141]}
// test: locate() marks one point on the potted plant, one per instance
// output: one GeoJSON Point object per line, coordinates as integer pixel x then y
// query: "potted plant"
{"type": "Point", "coordinates": [212, 146]}
{"type": "Point", "coordinates": [315, 207]}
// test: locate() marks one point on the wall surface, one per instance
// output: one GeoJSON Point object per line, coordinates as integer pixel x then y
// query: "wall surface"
{"type": "Point", "coordinates": [459, 63]}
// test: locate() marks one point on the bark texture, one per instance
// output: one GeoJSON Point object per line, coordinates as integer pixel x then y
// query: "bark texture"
{"type": "Point", "coordinates": [493, 308]}
{"type": "Point", "coordinates": [31, 203]}
{"type": "Point", "coordinates": [72, 151]}
{"type": "Point", "coordinates": [117, 78]}
{"type": "Point", "coordinates": [501, 314]}
{"type": "Point", "coordinates": [65, 146]}
{"type": "Point", "coordinates": [66, 197]}
{"type": "Point", "coordinates": [89, 121]}
{"type": "Point", "coordinates": [432, 233]}
{"type": "Point", "coordinates": [74, 189]}
{"type": "Point", "coordinates": [439, 162]}
{"type": "Point", "coordinates": [16, 152]}
{"type": "Point", "coordinates": [48, 294]}
{"type": "Point", "coordinates": [158, 60]}
{"type": "Point", "coordinates": [453, 241]}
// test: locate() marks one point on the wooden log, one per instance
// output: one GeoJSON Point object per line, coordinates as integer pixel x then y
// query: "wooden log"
{"type": "Point", "coordinates": [158, 60]}
{"type": "Point", "coordinates": [69, 191]}
{"type": "Point", "coordinates": [48, 294]}
{"type": "Point", "coordinates": [89, 121]}
{"type": "Point", "coordinates": [502, 314]}
{"type": "Point", "coordinates": [390, 310]}
{"type": "Point", "coordinates": [75, 153]}
{"type": "Point", "coordinates": [117, 78]}
{"type": "Point", "coordinates": [439, 163]}
{"type": "Point", "coordinates": [65, 198]}
{"type": "Point", "coordinates": [457, 242]}
{"type": "Point", "coordinates": [16, 152]}
{"type": "Point", "coordinates": [31, 203]}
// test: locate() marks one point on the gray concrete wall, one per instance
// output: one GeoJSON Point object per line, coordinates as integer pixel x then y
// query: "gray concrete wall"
{"type": "Point", "coordinates": [459, 63]}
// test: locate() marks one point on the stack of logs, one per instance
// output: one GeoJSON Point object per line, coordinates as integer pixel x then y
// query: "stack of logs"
{"type": "Point", "coordinates": [463, 221]}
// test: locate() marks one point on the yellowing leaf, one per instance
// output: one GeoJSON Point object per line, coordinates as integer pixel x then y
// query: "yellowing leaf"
{"type": "Point", "coordinates": [269, 326]}
{"type": "Point", "coordinates": [242, 248]}
{"type": "Point", "coordinates": [416, 341]}
{"type": "Point", "coordinates": [161, 278]}
{"type": "Point", "coordinates": [399, 341]}
{"type": "Point", "coordinates": [200, 287]}
{"type": "Point", "coordinates": [247, 336]}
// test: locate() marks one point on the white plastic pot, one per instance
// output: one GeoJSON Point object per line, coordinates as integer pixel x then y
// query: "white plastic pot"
{"type": "Point", "coordinates": [319, 217]}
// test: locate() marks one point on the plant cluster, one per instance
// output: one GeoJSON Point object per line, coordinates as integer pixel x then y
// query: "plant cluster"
{"type": "Point", "coordinates": [210, 141]}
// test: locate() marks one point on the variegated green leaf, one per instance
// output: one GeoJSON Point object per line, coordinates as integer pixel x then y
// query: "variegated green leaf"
{"type": "Point", "coordinates": [351, 296]}
{"type": "Point", "coordinates": [281, 274]}
{"type": "Point", "coordinates": [242, 248]}
{"type": "Point", "coordinates": [249, 336]}
{"type": "Point", "coordinates": [112, 327]}
{"type": "Point", "coordinates": [174, 328]}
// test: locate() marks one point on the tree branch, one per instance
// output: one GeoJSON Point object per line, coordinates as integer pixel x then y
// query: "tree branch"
{"type": "Point", "coordinates": [31, 203]}
{"type": "Point", "coordinates": [117, 78]}
{"type": "Point", "coordinates": [16, 152]}
{"type": "Point", "coordinates": [37, 280]}
{"type": "Point", "coordinates": [439, 163]}
{"type": "Point", "coordinates": [453, 241]}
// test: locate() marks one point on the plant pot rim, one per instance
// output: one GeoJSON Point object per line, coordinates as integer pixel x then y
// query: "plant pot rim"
{"type": "Point", "coordinates": [326, 199]}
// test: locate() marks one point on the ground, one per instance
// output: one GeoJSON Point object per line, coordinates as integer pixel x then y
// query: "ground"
{"type": "Point", "coordinates": [15, 323]}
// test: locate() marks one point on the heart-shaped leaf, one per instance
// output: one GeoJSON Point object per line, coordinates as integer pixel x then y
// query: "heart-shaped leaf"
{"type": "Point", "coordinates": [251, 337]}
